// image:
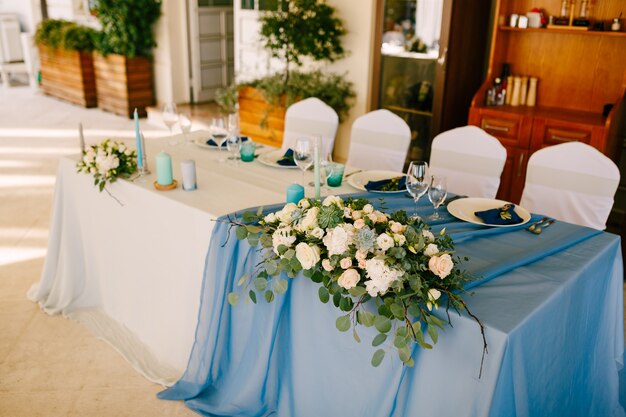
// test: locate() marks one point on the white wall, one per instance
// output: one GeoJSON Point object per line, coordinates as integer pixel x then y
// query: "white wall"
{"type": "Point", "coordinates": [171, 56]}
{"type": "Point", "coordinates": [27, 11]}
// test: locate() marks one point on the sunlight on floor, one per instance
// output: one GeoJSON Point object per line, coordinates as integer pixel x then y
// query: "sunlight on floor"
{"type": "Point", "coordinates": [10, 255]}
{"type": "Point", "coordinates": [68, 133]}
{"type": "Point", "coordinates": [11, 181]}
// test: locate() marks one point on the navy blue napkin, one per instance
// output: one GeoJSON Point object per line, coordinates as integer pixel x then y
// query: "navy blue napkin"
{"type": "Point", "coordinates": [287, 159]}
{"type": "Point", "coordinates": [391, 184]}
{"type": "Point", "coordinates": [211, 142]}
{"type": "Point", "coordinates": [501, 215]}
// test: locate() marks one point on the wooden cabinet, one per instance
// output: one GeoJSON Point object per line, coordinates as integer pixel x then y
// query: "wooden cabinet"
{"type": "Point", "coordinates": [580, 73]}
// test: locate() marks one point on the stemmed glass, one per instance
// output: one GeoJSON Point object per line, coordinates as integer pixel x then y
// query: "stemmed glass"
{"type": "Point", "coordinates": [170, 117]}
{"type": "Point", "coordinates": [303, 155]}
{"type": "Point", "coordinates": [219, 133]}
{"type": "Point", "coordinates": [437, 193]}
{"type": "Point", "coordinates": [326, 168]}
{"type": "Point", "coordinates": [184, 121]}
{"type": "Point", "coordinates": [233, 144]}
{"type": "Point", "coordinates": [417, 181]}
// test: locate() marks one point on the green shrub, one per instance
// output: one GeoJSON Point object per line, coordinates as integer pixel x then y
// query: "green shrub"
{"type": "Point", "coordinates": [58, 33]}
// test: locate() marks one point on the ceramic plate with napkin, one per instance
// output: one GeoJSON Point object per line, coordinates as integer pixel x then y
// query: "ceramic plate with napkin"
{"type": "Point", "coordinates": [387, 185]}
{"type": "Point", "coordinates": [488, 212]}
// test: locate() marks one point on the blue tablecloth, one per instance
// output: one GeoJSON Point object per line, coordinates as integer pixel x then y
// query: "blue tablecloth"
{"type": "Point", "coordinates": [553, 319]}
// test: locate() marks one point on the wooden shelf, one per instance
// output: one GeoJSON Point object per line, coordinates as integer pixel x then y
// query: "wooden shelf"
{"type": "Point", "coordinates": [572, 116]}
{"type": "Point", "coordinates": [565, 30]}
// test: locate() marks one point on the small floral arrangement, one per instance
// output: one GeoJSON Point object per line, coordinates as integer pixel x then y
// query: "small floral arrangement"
{"type": "Point", "coordinates": [107, 162]}
{"type": "Point", "coordinates": [359, 254]}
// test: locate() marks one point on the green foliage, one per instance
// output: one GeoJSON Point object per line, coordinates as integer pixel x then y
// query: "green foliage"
{"type": "Point", "coordinates": [58, 33]}
{"type": "Point", "coordinates": [302, 28]}
{"type": "Point", "coordinates": [127, 26]}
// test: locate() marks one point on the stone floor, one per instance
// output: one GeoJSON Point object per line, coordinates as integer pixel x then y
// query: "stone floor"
{"type": "Point", "coordinates": [50, 366]}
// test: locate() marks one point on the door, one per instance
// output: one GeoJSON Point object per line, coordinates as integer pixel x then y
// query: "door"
{"type": "Point", "coordinates": [211, 41]}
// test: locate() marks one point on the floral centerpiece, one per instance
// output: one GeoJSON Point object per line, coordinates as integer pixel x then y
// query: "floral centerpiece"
{"type": "Point", "coordinates": [359, 254]}
{"type": "Point", "coordinates": [107, 162]}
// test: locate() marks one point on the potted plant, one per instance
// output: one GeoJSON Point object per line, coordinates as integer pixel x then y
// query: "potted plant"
{"type": "Point", "coordinates": [123, 55]}
{"type": "Point", "coordinates": [297, 31]}
{"type": "Point", "coordinates": [67, 70]}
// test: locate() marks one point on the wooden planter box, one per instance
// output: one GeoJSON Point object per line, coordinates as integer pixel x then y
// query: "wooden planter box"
{"type": "Point", "coordinates": [123, 84]}
{"type": "Point", "coordinates": [68, 75]}
{"type": "Point", "coordinates": [260, 120]}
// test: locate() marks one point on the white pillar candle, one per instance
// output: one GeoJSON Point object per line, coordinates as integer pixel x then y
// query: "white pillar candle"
{"type": "Point", "coordinates": [188, 171]}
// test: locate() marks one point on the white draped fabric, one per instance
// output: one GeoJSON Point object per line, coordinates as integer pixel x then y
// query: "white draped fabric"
{"type": "Point", "coordinates": [470, 159]}
{"type": "Point", "coordinates": [132, 273]}
{"type": "Point", "coordinates": [310, 117]}
{"type": "Point", "coordinates": [573, 182]}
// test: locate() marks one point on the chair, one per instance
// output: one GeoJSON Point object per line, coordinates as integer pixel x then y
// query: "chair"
{"type": "Point", "coordinates": [379, 140]}
{"type": "Point", "coordinates": [310, 117]}
{"type": "Point", "coordinates": [573, 182]}
{"type": "Point", "coordinates": [470, 159]}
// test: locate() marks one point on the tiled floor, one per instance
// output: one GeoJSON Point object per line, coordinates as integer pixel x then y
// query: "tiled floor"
{"type": "Point", "coordinates": [50, 366]}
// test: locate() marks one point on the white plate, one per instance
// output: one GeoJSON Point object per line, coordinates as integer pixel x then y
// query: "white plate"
{"type": "Point", "coordinates": [464, 209]}
{"type": "Point", "coordinates": [271, 158]}
{"type": "Point", "coordinates": [359, 180]}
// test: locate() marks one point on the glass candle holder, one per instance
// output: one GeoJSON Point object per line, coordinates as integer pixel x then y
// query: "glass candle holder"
{"type": "Point", "coordinates": [247, 151]}
{"type": "Point", "coordinates": [336, 175]}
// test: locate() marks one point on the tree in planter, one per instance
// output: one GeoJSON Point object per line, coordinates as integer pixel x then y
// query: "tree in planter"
{"type": "Point", "coordinates": [302, 28]}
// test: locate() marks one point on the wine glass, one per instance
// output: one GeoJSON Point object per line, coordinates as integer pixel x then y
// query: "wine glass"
{"type": "Point", "coordinates": [303, 155]}
{"type": "Point", "coordinates": [170, 117]}
{"type": "Point", "coordinates": [219, 133]}
{"type": "Point", "coordinates": [437, 193]}
{"type": "Point", "coordinates": [233, 144]}
{"type": "Point", "coordinates": [326, 169]}
{"type": "Point", "coordinates": [184, 121]}
{"type": "Point", "coordinates": [417, 181]}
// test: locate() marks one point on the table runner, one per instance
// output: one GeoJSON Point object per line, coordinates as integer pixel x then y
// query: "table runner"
{"type": "Point", "coordinates": [287, 358]}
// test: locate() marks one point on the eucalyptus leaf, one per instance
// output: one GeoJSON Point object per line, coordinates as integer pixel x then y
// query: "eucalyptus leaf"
{"type": "Point", "coordinates": [357, 291]}
{"type": "Point", "coordinates": [397, 311]}
{"type": "Point", "coordinates": [343, 323]}
{"type": "Point", "coordinates": [241, 232]}
{"type": "Point", "coordinates": [366, 318]}
{"type": "Point", "coordinates": [378, 357]}
{"type": "Point", "coordinates": [233, 299]}
{"type": "Point", "coordinates": [243, 279]}
{"type": "Point", "coordinates": [271, 267]}
{"type": "Point", "coordinates": [253, 240]}
{"type": "Point", "coordinates": [432, 332]}
{"type": "Point", "coordinates": [336, 299]}
{"type": "Point", "coordinates": [290, 253]}
{"type": "Point", "coordinates": [382, 324]}
{"type": "Point", "coordinates": [253, 229]}
{"type": "Point", "coordinates": [405, 353]}
{"type": "Point", "coordinates": [252, 296]}
{"type": "Point", "coordinates": [280, 286]}
{"type": "Point", "coordinates": [355, 335]}
{"type": "Point", "coordinates": [323, 294]}
{"type": "Point", "coordinates": [379, 339]}
{"type": "Point", "coordinates": [269, 296]}
{"type": "Point", "coordinates": [260, 284]}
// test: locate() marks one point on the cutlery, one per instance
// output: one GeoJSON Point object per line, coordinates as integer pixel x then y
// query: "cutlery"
{"type": "Point", "coordinates": [353, 172]}
{"type": "Point", "coordinates": [540, 228]}
{"type": "Point", "coordinates": [451, 199]}
{"type": "Point", "coordinates": [533, 226]}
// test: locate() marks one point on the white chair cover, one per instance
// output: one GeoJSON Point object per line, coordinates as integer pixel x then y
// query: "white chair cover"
{"type": "Point", "coordinates": [379, 140]}
{"type": "Point", "coordinates": [310, 117]}
{"type": "Point", "coordinates": [470, 159]}
{"type": "Point", "coordinates": [573, 182]}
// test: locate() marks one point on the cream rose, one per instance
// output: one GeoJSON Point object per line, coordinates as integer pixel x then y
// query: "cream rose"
{"type": "Point", "coordinates": [397, 227]}
{"type": "Point", "coordinates": [380, 216]}
{"type": "Point", "coordinates": [270, 218]}
{"type": "Point", "coordinates": [308, 255]}
{"type": "Point", "coordinates": [428, 236]}
{"type": "Point", "coordinates": [345, 263]}
{"type": "Point", "coordinates": [309, 222]}
{"type": "Point", "coordinates": [332, 199]}
{"type": "Point", "coordinates": [360, 255]}
{"type": "Point", "coordinates": [356, 214]}
{"type": "Point", "coordinates": [431, 250]}
{"type": "Point", "coordinates": [349, 278]}
{"type": "Point", "coordinates": [326, 265]}
{"type": "Point", "coordinates": [317, 232]}
{"type": "Point", "coordinates": [384, 241]}
{"type": "Point", "coordinates": [286, 214]}
{"type": "Point", "coordinates": [347, 212]}
{"type": "Point", "coordinates": [304, 204]}
{"type": "Point", "coordinates": [441, 265]}
{"type": "Point", "coordinates": [399, 239]}
{"type": "Point", "coordinates": [358, 224]}
{"type": "Point", "coordinates": [368, 209]}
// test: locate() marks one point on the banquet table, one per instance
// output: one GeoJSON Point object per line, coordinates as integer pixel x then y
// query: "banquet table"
{"type": "Point", "coordinates": [139, 275]}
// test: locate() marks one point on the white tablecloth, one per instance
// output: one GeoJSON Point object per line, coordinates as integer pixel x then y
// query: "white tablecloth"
{"type": "Point", "coordinates": [132, 273]}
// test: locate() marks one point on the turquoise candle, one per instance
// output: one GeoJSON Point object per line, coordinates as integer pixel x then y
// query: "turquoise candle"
{"type": "Point", "coordinates": [295, 193]}
{"type": "Point", "coordinates": [138, 140]}
{"type": "Point", "coordinates": [336, 175]}
{"type": "Point", "coordinates": [247, 151]}
{"type": "Point", "coordinates": [164, 168]}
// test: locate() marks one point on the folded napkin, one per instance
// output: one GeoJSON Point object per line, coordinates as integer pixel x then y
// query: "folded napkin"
{"type": "Point", "coordinates": [390, 184]}
{"type": "Point", "coordinates": [502, 215]}
{"type": "Point", "coordinates": [211, 142]}
{"type": "Point", "coordinates": [287, 159]}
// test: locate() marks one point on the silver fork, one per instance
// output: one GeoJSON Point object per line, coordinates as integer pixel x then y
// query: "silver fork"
{"type": "Point", "coordinates": [540, 228]}
{"type": "Point", "coordinates": [533, 226]}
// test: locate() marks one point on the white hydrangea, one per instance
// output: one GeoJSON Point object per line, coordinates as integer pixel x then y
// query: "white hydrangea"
{"type": "Point", "coordinates": [332, 199]}
{"type": "Point", "coordinates": [337, 240]}
{"type": "Point", "coordinates": [270, 218]}
{"type": "Point", "coordinates": [286, 214]}
{"type": "Point", "coordinates": [282, 236]}
{"type": "Point", "coordinates": [380, 276]}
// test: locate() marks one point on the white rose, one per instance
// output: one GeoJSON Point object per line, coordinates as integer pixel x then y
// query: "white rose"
{"type": "Point", "coordinates": [428, 236]}
{"type": "Point", "coordinates": [441, 265]}
{"type": "Point", "coordinates": [360, 255]}
{"type": "Point", "coordinates": [308, 255]}
{"type": "Point", "coordinates": [349, 278]}
{"type": "Point", "coordinates": [397, 227]}
{"type": "Point", "coordinates": [368, 208]}
{"type": "Point", "coordinates": [304, 204]}
{"type": "Point", "coordinates": [326, 265]}
{"type": "Point", "coordinates": [332, 199]}
{"type": "Point", "coordinates": [345, 263]}
{"type": "Point", "coordinates": [93, 170]}
{"type": "Point", "coordinates": [380, 276]}
{"type": "Point", "coordinates": [399, 239]}
{"type": "Point", "coordinates": [431, 250]}
{"type": "Point", "coordinates": [433, 296]}
{"type": "Point", "coordinates": [384, 242]}
{"type": "Point", "coordinates": [362, 263]}
{"type": "Point", "coordinates": [347, 212]}
{"type": "Point", "coordinates": [337, 240]}
{"type": "Point", "coordinates": [285, 215]}
{"type": "Point", "coordinates": [282, 236]}
{"type": "Point", "coordinates": [356, 215]}
{"type": "Point", "coordinates": [358, 224]}
{"type": "Point", "coordinates": [380, 216]}
{"type": "Point", "coordinates": [128, 152]}
{"type": "Point", "coordinates": [270, 218]}
{"type": "Point", "coordinates": [317, 232]}
{"type": "Point", "coordinates": [122, 148]}
{"type": "Point", "coordinates": [309, 221]}
{"type": "Point", "coordinates": [372, 217]}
